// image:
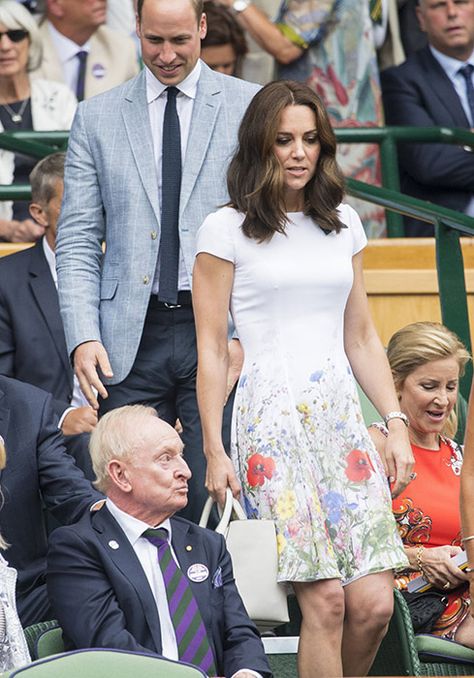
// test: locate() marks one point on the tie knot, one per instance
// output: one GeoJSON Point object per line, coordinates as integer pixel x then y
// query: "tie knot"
{"type": "Point", "coordinates": [172, 92]}
{"type": "Point", "coordinates": [466, 71]}
{"type": "Point", "coordinates": [82, 56]}
{"type": "Point", "coordinates": [156, 535]}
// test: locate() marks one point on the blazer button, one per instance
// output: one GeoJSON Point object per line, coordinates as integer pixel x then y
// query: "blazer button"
{"type": "Point", "coordinates": [146, 280]}
{"type": "Point", "coordinates": [154, 235]}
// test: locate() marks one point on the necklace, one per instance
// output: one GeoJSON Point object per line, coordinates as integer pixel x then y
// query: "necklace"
{"type": "Point", "coordinates": [16, 116]}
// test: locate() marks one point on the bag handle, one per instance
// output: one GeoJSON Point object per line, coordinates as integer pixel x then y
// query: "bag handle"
{"type": "Point", "coordinates": [231, 506]}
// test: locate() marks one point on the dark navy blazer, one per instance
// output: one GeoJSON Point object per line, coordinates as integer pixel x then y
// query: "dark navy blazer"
{"type": "Point", "coordinates": [39, 473]}
{"type": "Point", "coordinates": [102, 598]}
{"type": "Point", "coordinates": [420, 94]}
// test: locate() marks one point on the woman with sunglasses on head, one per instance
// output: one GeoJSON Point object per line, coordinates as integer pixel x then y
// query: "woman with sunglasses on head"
{"type": "Point", "coordinates": [25, 104]}
{"type": "Point", "coordinates": [286, 256]}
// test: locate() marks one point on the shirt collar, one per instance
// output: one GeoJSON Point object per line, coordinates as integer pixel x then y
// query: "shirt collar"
{"type": "Point", "coordinates": [66, 48]}
{"type": "Point", "coordinates": [448, 64]}
{"type": "Point", "coordinates": [50, 258]}
{"type": "Point", "coordinates": [133, 527]}
{"type": "Point", "coordinates": [155, 88]}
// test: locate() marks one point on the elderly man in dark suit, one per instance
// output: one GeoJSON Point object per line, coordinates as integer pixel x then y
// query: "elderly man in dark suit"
{"type": "Point", "coordinates": [32, 342]}
{"type": "Point", "coordinates": [132, 576]}
{"type": "Point", "coordinates": [39, 473]}
{"type": "Point", "coordinates": [435, 87]}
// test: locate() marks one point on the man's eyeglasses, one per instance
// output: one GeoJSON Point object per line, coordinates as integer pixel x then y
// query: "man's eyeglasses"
{"type": "Point", "coordinates": [15, 34]}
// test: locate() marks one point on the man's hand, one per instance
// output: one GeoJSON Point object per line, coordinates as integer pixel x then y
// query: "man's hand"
{"type": "Point", "coordinates": [90, 357]}
{"type": "Point", "coordinates": [20, 231]}
{"type": "Point", "coordinates": [79, 420]}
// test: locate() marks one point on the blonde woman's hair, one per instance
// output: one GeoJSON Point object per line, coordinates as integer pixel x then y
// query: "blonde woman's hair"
{"type": "Point", "coordinates": [116, 436]}
{"type": "Point", "coordinates": [13, 15]}
{"type": "Point", "coordinates": [3, 461]}
{"type": "Point", "coordinates": [421, 343]}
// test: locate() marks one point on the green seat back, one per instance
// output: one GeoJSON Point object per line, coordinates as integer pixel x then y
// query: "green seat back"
{"type": "Point", "coordinates": [101, 663]}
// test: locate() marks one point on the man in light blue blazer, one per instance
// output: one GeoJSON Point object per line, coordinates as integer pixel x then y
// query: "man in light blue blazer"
{"type": "Point", "coordinates": [146, 164]}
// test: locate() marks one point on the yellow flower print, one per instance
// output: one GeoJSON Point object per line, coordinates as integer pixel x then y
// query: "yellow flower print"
{"type": "Point", "coordinates": [286, 505]}
{"type": "Point", "coordinates": [281, 543]}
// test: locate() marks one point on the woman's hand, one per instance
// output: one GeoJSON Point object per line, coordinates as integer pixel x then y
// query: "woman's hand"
{"type": "Point", "coordinates": [398, 456]}
{"type": "Point", "coordinates": [439, 569]}
{"type": "Point", "coordinates": [220, 475]}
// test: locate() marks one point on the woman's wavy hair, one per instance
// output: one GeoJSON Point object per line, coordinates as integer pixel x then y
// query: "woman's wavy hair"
{"type": "Point", "coordinates": [255, 176]}
{"type": "Point", "coordinates": [420, 343]}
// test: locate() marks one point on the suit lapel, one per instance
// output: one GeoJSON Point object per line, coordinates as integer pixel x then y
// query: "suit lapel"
{"type": "Point", "coordinates": [46, 296]}
{"type": "Point", "coordinates": [205, 111]}
{"type": "Point", "coordinates": [111, 535]}
{"type": "Point", "coordinates": [4, 420]}
{"type": "Point", "coordinates": [443, 88]}
{"type": "Point", "coordinates": [137, 125]}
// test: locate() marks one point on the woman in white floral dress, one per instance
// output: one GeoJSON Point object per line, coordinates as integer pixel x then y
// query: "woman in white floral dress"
{"type": "Point", "coordinates": [286, 257]}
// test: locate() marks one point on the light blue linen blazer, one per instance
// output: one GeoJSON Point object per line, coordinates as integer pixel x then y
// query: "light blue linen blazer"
{"type": "Point", "coordinates": [111, 195]}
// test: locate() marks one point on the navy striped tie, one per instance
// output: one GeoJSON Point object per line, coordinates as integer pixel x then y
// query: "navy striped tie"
{"type": "Point", "coordinates": [170, 190]}
{"type": "Point", "coordinates": [191, 636]}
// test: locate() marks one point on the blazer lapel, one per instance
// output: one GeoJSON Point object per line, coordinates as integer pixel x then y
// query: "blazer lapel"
{"type": "Point", "coordinates": [137, 125]}
{"type": "Point", "coordinates": [205, 111]}
{"type": "Point", "coordinates": [4, 420]}
{"type": "Point", "coordinates": [443, 88]}
{"type": "Point", "coordinates": [110, 535]}
{"type": "Point", "coordinates": [44, 292]}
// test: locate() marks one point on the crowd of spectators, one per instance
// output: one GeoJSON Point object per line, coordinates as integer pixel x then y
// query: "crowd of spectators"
{"type": "Point", "coordinates": [95, 341]}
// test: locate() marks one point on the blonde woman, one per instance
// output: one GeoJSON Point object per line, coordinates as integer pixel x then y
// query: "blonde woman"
{"type": "Point", "coordinates": [13, 647]}
{"type": "Point", "coordinates": [427, 361]}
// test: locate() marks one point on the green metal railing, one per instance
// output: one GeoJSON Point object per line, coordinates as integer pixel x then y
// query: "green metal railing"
{"type": "Point", "coordinates": [448, 224]}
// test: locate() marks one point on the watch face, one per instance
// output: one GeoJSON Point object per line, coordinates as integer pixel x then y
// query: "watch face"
{"type": "Point", "coordinates": [240, 5]}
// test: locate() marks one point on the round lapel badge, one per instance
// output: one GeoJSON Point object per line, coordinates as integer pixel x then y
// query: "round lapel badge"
{"type": "Point", "coordinates": [98, 71]}
{"type": "Point", "coordinates": [198, 572]}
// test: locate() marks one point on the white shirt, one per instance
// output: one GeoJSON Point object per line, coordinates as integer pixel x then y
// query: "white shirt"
{"type": "Point", "coordinates": [451, 67]}
{"type": "Point", "coordinates": [156, 99]}
{"type": "Point", "coordinates": [78, 398]}
{"type": "Point", "coordinates": [148, 557]}
{"type": "Point", "coordinates": [67, 50]}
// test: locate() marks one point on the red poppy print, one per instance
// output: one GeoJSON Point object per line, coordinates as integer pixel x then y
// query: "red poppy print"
{"type": "Point", "coordinates": [259, 468]}
{"type": "Point", "coordinates": [359, 466]}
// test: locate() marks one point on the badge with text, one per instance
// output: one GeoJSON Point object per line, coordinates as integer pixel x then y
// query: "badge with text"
{"type": "Point", "coordinates": [198, 572]}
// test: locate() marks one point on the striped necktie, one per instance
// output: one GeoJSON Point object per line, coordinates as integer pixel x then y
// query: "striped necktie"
{"type": "Point", "coordinates": [191, 636]}
{"type": "Point", "coordinates": [466, 72]}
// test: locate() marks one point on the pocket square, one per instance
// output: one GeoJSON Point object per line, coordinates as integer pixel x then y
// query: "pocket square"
{"type": "Point", "coordinates": [217, 578]}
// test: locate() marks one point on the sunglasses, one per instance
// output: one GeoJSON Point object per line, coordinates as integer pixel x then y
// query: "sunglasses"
{"type": "Point", "coordinates": [15, 34]}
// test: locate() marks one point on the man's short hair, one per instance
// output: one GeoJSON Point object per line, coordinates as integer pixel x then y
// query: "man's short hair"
{"type": "Point", "coordinates": [44, 177]}
{"type": "Point", "coordinates": [196, 4]}
{"type": "Point", "coordinates": [116, 436]}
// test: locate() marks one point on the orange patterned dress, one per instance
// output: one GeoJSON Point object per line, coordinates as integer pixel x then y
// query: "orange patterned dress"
{"type": "Point", "coordinates": [427, 512]}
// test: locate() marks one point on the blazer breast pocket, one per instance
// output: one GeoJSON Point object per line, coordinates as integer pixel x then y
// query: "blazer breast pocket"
{"type": "Point", "coordinates": [108, 288]}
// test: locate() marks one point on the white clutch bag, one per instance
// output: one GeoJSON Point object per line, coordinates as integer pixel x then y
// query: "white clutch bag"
{"type": "Point", "coordinates": [252, 545]}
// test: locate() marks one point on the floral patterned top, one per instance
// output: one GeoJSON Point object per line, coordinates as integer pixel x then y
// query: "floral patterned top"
{"type": "Point", "coordinates": [13, 647]}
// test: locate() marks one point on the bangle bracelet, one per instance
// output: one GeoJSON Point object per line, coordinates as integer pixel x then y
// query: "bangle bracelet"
{"type": "Point", "coordinates": [470, 538]}
{"type": "Point", "coordinates": [396, 415]}
{"type": "Point", "coordinates": [419, 559]}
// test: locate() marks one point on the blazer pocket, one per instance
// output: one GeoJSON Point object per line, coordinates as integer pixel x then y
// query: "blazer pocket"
{"type": "Point", "coordinates": [108, 287]}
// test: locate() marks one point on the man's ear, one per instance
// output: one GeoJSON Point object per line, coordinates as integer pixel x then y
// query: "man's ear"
{"type": "Point", "coordinates": [38, 214]}
{"type": "Point", "coordinates": [420, 17]}
{"type": "Point", "coordinates": [118, 475]}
